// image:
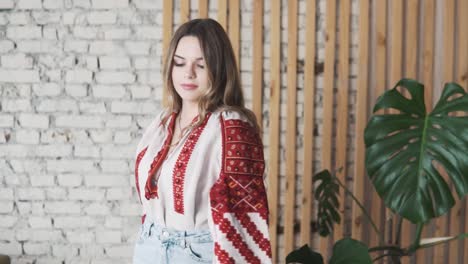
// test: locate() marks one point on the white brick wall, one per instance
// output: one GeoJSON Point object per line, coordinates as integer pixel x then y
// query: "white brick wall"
{"type": "Point", "coordinates": [78, 81]}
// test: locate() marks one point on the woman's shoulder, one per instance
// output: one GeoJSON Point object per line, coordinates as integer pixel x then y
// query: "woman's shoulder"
{"type": "Point", "coordinates": [237, 116]}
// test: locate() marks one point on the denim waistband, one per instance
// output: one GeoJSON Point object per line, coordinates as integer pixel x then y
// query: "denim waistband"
{"type": "Point", "coordinates": [164, 234]}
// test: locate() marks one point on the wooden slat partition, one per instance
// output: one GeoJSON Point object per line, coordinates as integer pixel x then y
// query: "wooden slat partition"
{"type": "Point", "coordinates": [257, 70]}
{"type": "Point", "coordinates": [379, 87]}
{"type": "Point", "coordinates": [291, 129]}
{"type": "Point", "coordinates": [275, 93]}
{"type": "Point", "coordinates": [361, 119]}
{"type": "Point", "coordinates": [167, 34]}
{"type": "Point", "coordinates": [222, 13]}
{"type": "Point", "coordinates": [343, 111]}
{"type": "Point", "coordinates": [309, 114]}
{"type": "Point", "coordinates": [329, 73]}
{"type": "Point", "coordinates": [202, 8]}
{"type": "Point", "coordinates": [184, 11]}
{"type": "Point", "coordinates": [234, 24]}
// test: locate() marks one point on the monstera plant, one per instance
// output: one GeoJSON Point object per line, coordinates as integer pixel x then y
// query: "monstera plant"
{"type": "Point", "coordinates": [412, 159]}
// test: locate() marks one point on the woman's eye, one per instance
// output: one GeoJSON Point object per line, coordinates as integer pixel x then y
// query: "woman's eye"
{"type": "Point", "coordinates": [178, 64]}
{"type": "Point", "coordinates": [201, 66]}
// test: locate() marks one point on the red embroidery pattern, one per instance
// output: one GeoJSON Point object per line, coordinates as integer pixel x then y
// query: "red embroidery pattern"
{"type": "Point", "coordinates": [137, 164]}
{"type": "Point", "coordinates": [151, 187]}
{"type": "Point", "coordinates": [257, 236]}
{"type": "Point", "coordinates": [143, 218]}
{"type": "Point", "coordinates": [223, 256]}
{"type": "Point", "coordinates": [178, 175]}
{"type": "Point", "coordinates": [235, 238]}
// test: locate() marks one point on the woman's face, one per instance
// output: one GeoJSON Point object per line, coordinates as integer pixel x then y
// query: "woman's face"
{"type": "Point", "coordinates": [189, 74]}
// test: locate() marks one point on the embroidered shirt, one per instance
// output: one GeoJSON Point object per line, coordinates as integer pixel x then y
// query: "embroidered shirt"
{"type": "Point", "coordinates": [212, 179]}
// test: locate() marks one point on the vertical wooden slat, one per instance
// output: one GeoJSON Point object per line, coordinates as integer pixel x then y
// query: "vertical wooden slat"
{"type": "Point", "coordinates": [222, 13]}
{"type": "Point", "coordinates": [329, 74]}
{"type": "Point", "coordinates": [428, 79]}
{"type": "Point", "coordinates": [233, 28]}
{"type": "Point", "coordinates": [167, 33]}
{"type": "Point", "coordinates": [309, 113]}
{"type": "Point", "coordinates": [448, 40]}
{"type": "Point", "coordinates": [202, 8]}
{"type": "Point", "coordinates": [257, 71]}
{"type": "Point", "coordinates": [342, 111]}
{"type": "Point", "coordinates": [184, 11]}
{"type": "Point", "coordinates": [291, 129]}
{"type": "Point", "coordinates": [275, 85]}
{"type": "Point", "coordinates": [361, 118]}
{"type": "Point", "coordinates": [380, 84]}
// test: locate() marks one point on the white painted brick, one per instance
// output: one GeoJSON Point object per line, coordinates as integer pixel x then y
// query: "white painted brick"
{"type": "Point", "coordinates": [106, 48]}
{"type": "Point", "coordinates": [40, 222]}
{"type": "Point", "coordinates": [120, 251]}
{"type": "Point", "coordinates": [53, 75]}
{"type": "Point", "coordinates": [109, 62]}
{"type": "Point", "coordinates": [152, 77]}
{"type": "Point", "coordinates": [79, 121]}
{"type": "Point", "coordinates": [36, 248]}
{"type": "Point", "coordinates": [13, 248]}
{"type": "Point", "coordinates": [62, 207]}
{"type": "Point", "coordinates": [108, 91]}
{"type": "Point", "coordinates": [30, 194]}
{"type": "Point", "coordinates": [69, 179]}
{"type": "Point", "coordinates": [29, 4]}
{"type": "Point", "coordinates": [118, 151]}
{"type": "Point", "coordinates": [19, 76]}
{"type": "Point", "coordinates": [109, 4]}
{"type": "Point", "coordinates": [79, 76]}
{"type": "Point", "coordinates": [137, 47]}
{"type": "Point", "coordinates": [7, 4]}
{"type": "Point", "coordinates": [97, 209]}
{"type": "Point", "coordinates": [11, 150]}
{"type": "Point", "coordinates": [24, 32]}
{"type": "Point", "coordinates": [92, 63]}
{"type": "Point", "coordinates": [46, 18]}
{"type": "Point", "coordinates": [148, 32]}
{"type": "Point", "coordinates": [80, 237]}
{"type": "Point", "coordinates": [33, 120]}
{"type": "Point", "coordinates": [86, 194]}
{"type": "Point", "coordinates": [120, 121]}
{"type": "Point", "coordinates": [26, 136]}
{"type": "Point", "coordinates": [122, 137]}
{"type": "Point", "coordinates": [130, 209]}
{"type": "Point", "coordinates": [101, 136]}
{"type": "Point", "coordinates": [6, 193]}
{"type": "Point", "coordinates": [104, 180]}
{"type": "Point", "coordinates": [84, 151]}
{"type": "Point", "coordinates": [92, 107]}
{"type": "Point", "coordinates": [146, 4]}
{"type": "Point", "coordinates": [44, 235]}
{"type": "Point", "coordinates": [85, 4]}
{"type": "Point", "coordinates": [102, 17]}
{"type": "Point", "coordinates": [111, 237]}
{"type": "Point", "coordinates": [80, 46]}
{"type": "Point", "coordinates": [134, 107]}
{"type": "Point", "coordinates": [43, 180]}
{"type": "Point", "coordinates": [118, 194]}
{"type": "Point", "coordinates": [117, 33]}
{"type": "Point", "coordinates": [62, 105]}
{"type": "Point", "coordinates": [81, 137]}
{"type": "Point", "coordinates": [50, 32]}
{"type": "Point", "coordinates": [26, 166]}
{"type": "Point", "coordinates": [70, 166]}
{"type": "Point", "coordinates": [6, 46]}
{"type": "Point", "coordinates": [112, 77]}
{"type": "Point", "coordinates": [113, 222]}
{"type": "Point", "coordinates": [3, 138]}
{"type": "Point", "coordinates": [53, 150]}
{"type": "Point", "coordinates": [6, 120]}
{"type": "Point", "coordinates": [47, 89]}
{"type": "Point", "coordinates": [76, 90]}
{"type": "Point", "coordinates": [147, 63]}
{"type": "Point", "coordinates": [19, 18]}
{"type": "Point", "coordinates": [38, 46]}
{"type": "Point", "coordinates": [140, 91]}
{"type": "Point", "coordinates": [64, 251]}
{"type": "Point", "coordinates": [120, 166]}
{"type": "Point", "coordinates": [48, 260]}
{"type": "Point", "coordinates": [23, 207]}
{"type": "Point", "coordinates": [74, 222]}
{"type": "Point", "coordinates": [81, 32]}
{"type": "Point", "coordinates": [52, 4]}
{"type": "Point", "coordinates": [6, 207]}
{"type": "Point", "coordinates": [8, 221]}
{"type": "Point", "coordinates": [55, 136]}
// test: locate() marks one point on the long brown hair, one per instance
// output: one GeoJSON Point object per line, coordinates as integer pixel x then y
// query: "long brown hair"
{"type": "Point", "coordinates": [225, 92]}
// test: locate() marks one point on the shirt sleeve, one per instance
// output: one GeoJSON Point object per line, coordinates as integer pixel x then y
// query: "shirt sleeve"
{"type": "Point", "coordinates": [238, 199]}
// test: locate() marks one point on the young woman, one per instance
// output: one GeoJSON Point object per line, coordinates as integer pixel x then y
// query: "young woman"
{"type": "Point", "coordinates": [199, 165]}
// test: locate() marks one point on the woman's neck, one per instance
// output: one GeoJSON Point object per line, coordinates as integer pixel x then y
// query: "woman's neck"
{"type": "Point", "coordinates": [188, 113]}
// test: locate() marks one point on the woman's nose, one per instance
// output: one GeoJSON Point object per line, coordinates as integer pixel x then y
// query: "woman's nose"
{"type": "Point", "coordinates": [189, 71]}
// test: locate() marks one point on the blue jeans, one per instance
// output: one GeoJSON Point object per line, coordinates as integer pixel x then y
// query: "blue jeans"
{"type": "Point", "coordinates": [161, 245]}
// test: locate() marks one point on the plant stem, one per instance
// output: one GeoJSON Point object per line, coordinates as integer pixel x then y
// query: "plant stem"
{"type": "Point", "coordinates": [460, 236]}
{"type": "Point", "coordinates": [386, 255]}
{"type": "Point", "coordinates": [417, 240]}
{"type": "Point", "coordinates": [362, 208]}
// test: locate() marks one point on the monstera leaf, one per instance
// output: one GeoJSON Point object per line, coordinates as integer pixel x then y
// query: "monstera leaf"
{"type": "Point", "coordinates": [328, 205]}
{"type": "Point", "coordinates": [304, 255]}
{"type": "Point", "coordinates": [407, 153]}
{"type": "Point", "coordinates": [350, 251]}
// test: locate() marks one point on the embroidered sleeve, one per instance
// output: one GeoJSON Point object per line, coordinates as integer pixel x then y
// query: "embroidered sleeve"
{"type": "Point", "coordinates": [238, 199]}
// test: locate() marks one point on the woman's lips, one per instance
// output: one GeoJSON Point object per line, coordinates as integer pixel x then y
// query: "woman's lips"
{"type": "Point", "coordinates": [189, 86]}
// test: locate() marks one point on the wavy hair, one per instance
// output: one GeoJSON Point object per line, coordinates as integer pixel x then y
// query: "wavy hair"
{"type": "Point", "coordinates": [225, 92]}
